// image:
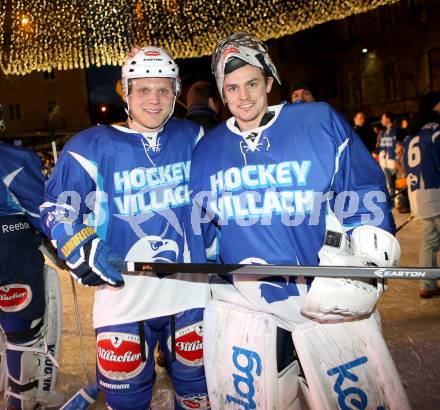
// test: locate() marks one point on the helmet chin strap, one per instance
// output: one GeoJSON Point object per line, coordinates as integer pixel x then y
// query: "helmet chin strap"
{"type": "Point", "coordinates": [142, 127]}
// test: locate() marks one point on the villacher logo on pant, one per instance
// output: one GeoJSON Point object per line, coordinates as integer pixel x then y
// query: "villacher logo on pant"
{"type": "Point", "coordinates": [189, 344]}
{"type": "Point", "coordinates": [119, 355]}
{"type": "Point", "coordinates": [14, 298]}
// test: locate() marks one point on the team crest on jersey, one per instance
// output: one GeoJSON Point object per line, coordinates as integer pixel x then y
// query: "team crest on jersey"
{"type": "Point", "coordinates": [193, 401]}
{"type": "Point", "coordinates": [155, 249]}
{"type": "Point", "coordinates": [189, 344]}
{"type": "Point", "coordinates": [14, 298]}
{"type": "Point", "coordinates": [119, 355]}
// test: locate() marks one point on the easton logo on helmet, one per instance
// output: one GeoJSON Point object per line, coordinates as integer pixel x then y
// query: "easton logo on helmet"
{"type": "Point", "coordinates": [14, 298]}
{"type": "Point", "coordinates": [119, 355]}
{"type": "Point", "coordinates": [152, 53]}
{"type": "Point", "coordinates": [189, 344]}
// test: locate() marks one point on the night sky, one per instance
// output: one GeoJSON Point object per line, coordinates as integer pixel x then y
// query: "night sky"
{"type": "Point", "coordinates": [101, 81]}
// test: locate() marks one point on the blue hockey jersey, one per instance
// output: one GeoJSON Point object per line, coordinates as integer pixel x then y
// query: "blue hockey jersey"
{"type": "Point", "coordinates": [387, 149]}
{"type": "Point", "coordinates": [133, 189]}
{"type": "Point", "coordinates": [422, 163]}
{"type": "Point", "coordinates": [22, 183]}
{"type": "Point", "coordinates": [264, 195]}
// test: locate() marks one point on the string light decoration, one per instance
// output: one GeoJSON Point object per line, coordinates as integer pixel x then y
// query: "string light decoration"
{"type": "Point", "coordinates": [63, 34]}
{"type": "Point", "coordinates": [2, 24]}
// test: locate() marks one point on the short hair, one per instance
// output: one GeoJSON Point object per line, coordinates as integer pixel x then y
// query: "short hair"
{"type": "Point", "coordinates": [306, 85]}
{"type": "Point", "coordinates": [360, 112]}
{"type": "Point", "coordinates": [391, 116]}
{"type": "Point", "coordinates": [200, 93]}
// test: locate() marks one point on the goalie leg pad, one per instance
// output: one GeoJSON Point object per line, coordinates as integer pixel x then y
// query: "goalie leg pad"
{"type": "Point", "coordinates": [32, 353]}
{"type": "Point", "coordinates": [239, 347]}
{"type": "Point", "coordinates": [348, 365]}
{"type": "Point", "coordinates": [288, 388]}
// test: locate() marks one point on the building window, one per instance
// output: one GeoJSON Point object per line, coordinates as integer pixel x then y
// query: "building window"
{"type": "Point", "coordinates": [49, 75]}
{"type": "Point", "coordinates": [434, 69]}
{"type": "Point", "coordinates": [14, 111]}
{"type": "Point", "coordinates": [390, 82]}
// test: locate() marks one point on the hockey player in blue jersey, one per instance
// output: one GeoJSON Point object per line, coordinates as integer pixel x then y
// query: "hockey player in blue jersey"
{"type": "Point", "coordinates": [122, 192]}
{"type": "Point", "coordinates": [387, 151]}
{"type": "Point", "coordinates": [28, 316]}
{"type": "Point", "coordinates": [290, 184]}
{"type": "Point", "coordinates": [422, 163]}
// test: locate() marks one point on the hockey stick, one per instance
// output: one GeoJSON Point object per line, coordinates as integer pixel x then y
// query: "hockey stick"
{"type": "Point", "coordinates": [148, 269]}
{"type": "Point", "coordinates": [75, 298]}
{"type": "Point", "coordinates": [405, 223]}
{"type": "Point", "coordinates": [398, 192]}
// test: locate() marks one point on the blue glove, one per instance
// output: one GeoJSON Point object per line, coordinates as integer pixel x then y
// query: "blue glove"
{"type": "Point", "coordinates": [90, 267]}
{"type": "Point", "coordinates": [87, 257]}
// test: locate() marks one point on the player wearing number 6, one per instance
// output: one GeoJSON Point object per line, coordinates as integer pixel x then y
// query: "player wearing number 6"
{"type": "Point", "coordinates": [422, 162]}
{"type": "Point", "coordinates": [269, 182]}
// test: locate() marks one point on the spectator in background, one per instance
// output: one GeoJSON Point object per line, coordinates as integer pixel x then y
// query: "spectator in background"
{"type": "Point", "coordinates": [402, 129]}
{"type": "Point", "coordinates": [365, 131]}
{"type": "Point", "coordinates": [48, 164]}
{"type": "Point", "coordinates": [203, 104]}
{"type": "Point", "coordinates": [401, 184]}
{"type": "Point", "coordinates": [404, 124]}
{"type": "Point", "coordinates": [303, 91]}
{"type": "Point", "coordinates": [422, 162]}
{"type": "Point", "coordinates": [378, 130]}
{"type": "Point", "coordinates": [387, 150]}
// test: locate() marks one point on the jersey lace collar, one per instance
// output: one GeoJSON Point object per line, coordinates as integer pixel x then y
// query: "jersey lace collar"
{"type": "Point", "coordinates": [150, 140]}
{"type": "Point", "coordinates": [252, 137]}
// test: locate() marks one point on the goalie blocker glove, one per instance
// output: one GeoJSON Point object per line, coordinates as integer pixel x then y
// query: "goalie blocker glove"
{"type": "Point", "coordinates": [87, 256]}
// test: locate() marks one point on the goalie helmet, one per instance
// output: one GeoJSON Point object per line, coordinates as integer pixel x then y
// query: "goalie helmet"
{"type": "Point", "coordinates": [246, 48]}
{"type": "Point", "coordinates": [150, 62]}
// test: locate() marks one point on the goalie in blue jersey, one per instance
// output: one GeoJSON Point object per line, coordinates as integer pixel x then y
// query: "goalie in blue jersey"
{"type": "Point", "coordinates": [121, 191]}
{"type": "Point", "coordinates": [30, 298]}
{"type": "Point", "coordinates": [292, 185]}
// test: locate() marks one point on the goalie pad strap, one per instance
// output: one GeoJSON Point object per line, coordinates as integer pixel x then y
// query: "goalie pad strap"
{"type": "Point", "coordinates": [20, 388]}
{"type": "Point", "coordinates": [15, 337]}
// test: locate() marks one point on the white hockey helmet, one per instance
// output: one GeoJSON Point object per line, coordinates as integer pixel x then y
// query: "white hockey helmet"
{"type": "Point", "coordinates": [245, 47]}
{"type": "Point", "coordinates": [150, 62]}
